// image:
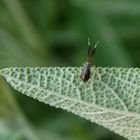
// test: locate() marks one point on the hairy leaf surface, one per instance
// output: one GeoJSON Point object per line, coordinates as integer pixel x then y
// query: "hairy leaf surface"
{"type": "Point", "coordinates": [110, 98]}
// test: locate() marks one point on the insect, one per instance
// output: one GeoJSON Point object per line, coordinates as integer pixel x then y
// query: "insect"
{"type": "Point", "coordinates": [86, 68]}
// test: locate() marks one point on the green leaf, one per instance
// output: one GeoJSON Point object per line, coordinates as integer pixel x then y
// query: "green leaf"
{"type": "Point", "coordinates": [110, 98]}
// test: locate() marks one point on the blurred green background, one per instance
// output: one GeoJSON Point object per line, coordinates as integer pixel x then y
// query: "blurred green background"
{"type": "Point", "coordinates": [54, 33]}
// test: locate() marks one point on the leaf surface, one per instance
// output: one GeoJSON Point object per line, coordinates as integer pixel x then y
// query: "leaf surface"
{"type": "Point", "coordinates": [110, 98]}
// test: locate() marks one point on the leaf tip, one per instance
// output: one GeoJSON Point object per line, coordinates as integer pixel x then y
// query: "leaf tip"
{"type": "Point", "coordinates": [4, 72]}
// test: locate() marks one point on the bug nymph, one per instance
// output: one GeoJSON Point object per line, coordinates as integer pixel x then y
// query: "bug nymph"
{"type": "Point", "coordinates": [86, 69]}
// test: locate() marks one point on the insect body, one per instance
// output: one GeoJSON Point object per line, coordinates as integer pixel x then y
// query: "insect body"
{"type": "Point", "coordinates": [86, 69]}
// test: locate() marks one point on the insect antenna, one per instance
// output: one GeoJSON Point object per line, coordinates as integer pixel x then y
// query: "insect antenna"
{"type": "Point", "coordinates": [94, 49]}
{"type": "Point", "coordinates": [89, 47]}
{"type": "Point", "coordinates": [89, 50]}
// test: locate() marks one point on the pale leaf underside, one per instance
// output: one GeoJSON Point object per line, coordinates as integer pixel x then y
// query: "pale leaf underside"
{"type": "Point", "coordinates": [110, 98]}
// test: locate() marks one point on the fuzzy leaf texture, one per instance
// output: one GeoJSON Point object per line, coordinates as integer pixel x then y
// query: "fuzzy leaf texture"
{"type": "Point", "coordinates": [110, 98]}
